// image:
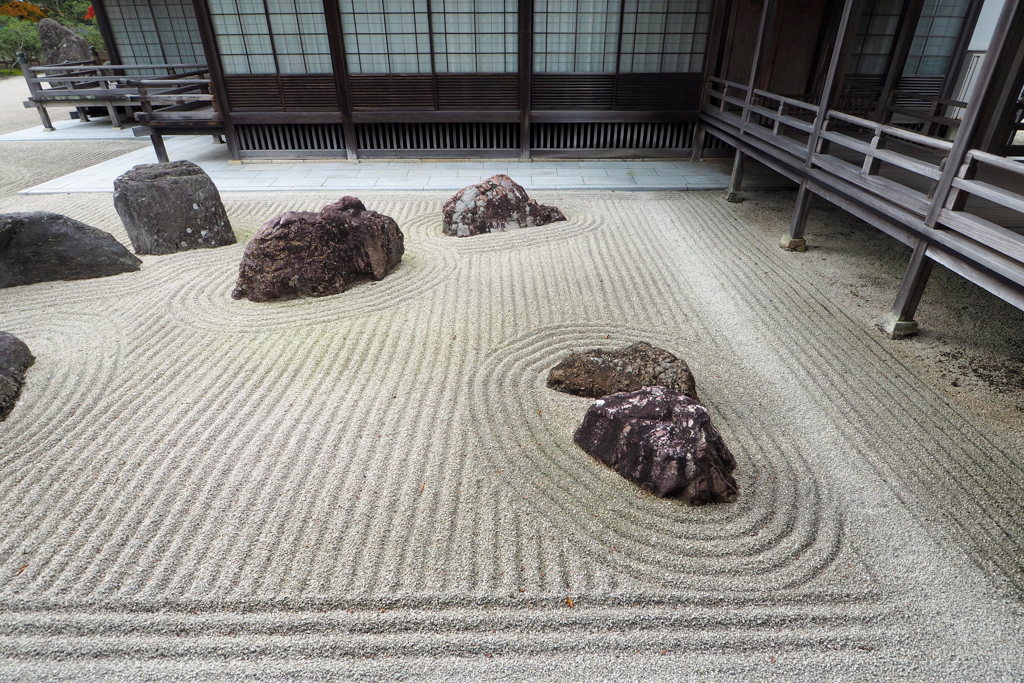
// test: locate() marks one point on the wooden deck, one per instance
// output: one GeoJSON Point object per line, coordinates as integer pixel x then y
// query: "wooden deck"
{"type": "Point", "coordinates": [888, 176]}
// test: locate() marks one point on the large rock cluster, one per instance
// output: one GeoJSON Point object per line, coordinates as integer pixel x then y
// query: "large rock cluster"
{"type": "Point", "coordinates": [600, 372]}
{"type": "Point", "coordinates": [170, 207]}
{"type": "Point", "coordinates": [662, 440]}
{"type": "Point", "coordinates": [301, 253]}
{"type": "Point", "coordinates": [494, 205]}
{"type": "Point", "coordinates": [60, 44]}
{"type": "Point", "coordinates": [15, 359]}
{"type": "Point", "coordinates": [40, 246]}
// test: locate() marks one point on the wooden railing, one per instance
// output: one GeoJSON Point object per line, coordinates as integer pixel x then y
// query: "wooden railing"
{"type": "Point", "coordinates": [179, 106]}
{"type": "Point", "coordinates": [957, 214]}
{"type": "Point", "coordinates": [890, 172]}
{"type": "Point", "coordinates": [86, 84]}
{"type": "Point", "coordinates": [925, 164]}
{"type": "Point", "coordinates": [935, 115]}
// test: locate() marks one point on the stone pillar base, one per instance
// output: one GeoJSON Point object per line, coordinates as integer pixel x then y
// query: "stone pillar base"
{"type": "Point", "coordinates": [793, 243]}
{"type": "Point", "coordinates": [898, 329]}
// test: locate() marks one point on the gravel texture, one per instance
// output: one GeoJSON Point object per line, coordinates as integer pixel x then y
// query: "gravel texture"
{"type": "Point", "coordinates": [378, 484]}
{"type": "Point", "coordinates": [26, 164]}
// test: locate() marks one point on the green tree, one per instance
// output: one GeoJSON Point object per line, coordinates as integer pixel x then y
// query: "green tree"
{"type": "Point", "coordinates": [18, 35]}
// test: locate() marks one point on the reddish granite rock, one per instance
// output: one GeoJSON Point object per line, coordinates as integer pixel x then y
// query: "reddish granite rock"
{"type": "Point", "coordinates": [497, 204]}
{"type": "Point", "coordinates": [662, 440]}
{"type": "Point", "coordinates": [301, 253]}
{"type": "Point", "coordinates": [600, 372]}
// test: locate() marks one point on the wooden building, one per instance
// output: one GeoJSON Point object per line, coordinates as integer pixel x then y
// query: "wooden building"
{"type": "Point", "coordinates": [870, 104]}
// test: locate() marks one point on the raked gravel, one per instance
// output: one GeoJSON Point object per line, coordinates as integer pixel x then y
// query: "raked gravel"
{"type": "Point", "coordinates": [378, 483]}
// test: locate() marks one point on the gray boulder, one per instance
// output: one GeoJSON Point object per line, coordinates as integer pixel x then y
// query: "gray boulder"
{"type": "Point", "coordinates": [60, 44]}
{"type": "Point", "coordinates": [15, 359]}
{"type": "Point", "coordinates": [600, 372]}
{"type": "Point", "coordinates": [497, 204]}
{"type": "Point", "coordinates": [41, 246]}
{"type": "Point", "coordinates": [171, 207]}
{"type": "Point", "coordinates": [663, 441]}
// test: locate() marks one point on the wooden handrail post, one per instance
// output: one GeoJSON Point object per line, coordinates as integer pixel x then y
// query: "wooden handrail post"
{"type": "Point", "coordinates": [34, 89]}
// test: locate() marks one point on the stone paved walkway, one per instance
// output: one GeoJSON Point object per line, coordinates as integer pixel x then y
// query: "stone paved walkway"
{"type": "Point", "coordinates": [344, 175]}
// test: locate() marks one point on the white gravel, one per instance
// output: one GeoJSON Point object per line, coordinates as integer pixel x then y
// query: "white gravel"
{"type": "Point", "coordinates": [378, 485]}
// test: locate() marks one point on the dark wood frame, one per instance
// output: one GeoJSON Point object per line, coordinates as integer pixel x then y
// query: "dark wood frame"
{"type": "Point", "coordinates": [937, 224]}
{"type": "Point", "coordinates": [345, 113]}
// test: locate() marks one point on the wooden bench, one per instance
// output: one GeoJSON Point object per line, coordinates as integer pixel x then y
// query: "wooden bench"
{"type": "Point", "coordinates": [88, 84]}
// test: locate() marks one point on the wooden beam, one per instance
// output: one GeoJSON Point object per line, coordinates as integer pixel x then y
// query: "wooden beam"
{"type": "Point", "coordinates": [830, 89]}
{"type": "Point", "coordinates": [209, 40]}
{"type": "Point", "coordinates": [900, 322]}
{"type": "Point", "coordinates": [339, 62]}
{"type": "Point", "coordinates": [525, 75]}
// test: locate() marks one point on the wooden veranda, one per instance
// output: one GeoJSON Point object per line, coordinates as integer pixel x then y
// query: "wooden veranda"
{"type": "Point", "coordinates": [937, 177]}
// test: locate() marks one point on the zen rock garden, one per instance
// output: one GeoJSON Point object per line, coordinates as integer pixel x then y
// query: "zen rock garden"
{"type": "Point", "coordinates": [497, 204]}
{"type": "Point", "coordinates": [648, 424]}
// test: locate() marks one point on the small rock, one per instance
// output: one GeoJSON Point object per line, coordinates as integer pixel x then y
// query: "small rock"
{"type": "Point", "coordinates": [41, 246]}
{"type": "Point", "coordinates": [497, 204]}
{"type": "Point", "coordinates": [600, 372]}
{"type": "Point", "coordinates": [301, 253]}
{"type": "Point", "coordinates": [171, 207]}
{"type": "Point", "coordinates": [662, 440]}
{"type": "Point", "coordinates": [15, 359]}
{"type": "Point", "coordinates": [60, 44]}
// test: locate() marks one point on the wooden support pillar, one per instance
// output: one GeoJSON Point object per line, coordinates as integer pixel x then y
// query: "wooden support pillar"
{"type": "Point", "coordinates": [992, 91]}
{"type": "Point", "coordinates": [713, 60]}
{"type": "Point", "coordinates": [33, 89]}
{"type": "Point", "coordinates": [339, 62]}
{"type": "Point", "coordinates": [736, 178]}
{"type": "Point", "coordinates": [697, 146]}
{"type": "Point", "coordinates": [963, 43]}
{"type": "Point", "coordinates": [898, 56]}
{"type": "Point", "coordinates": [103, 23]}
{"type": "Point", "coordinates": [900, 323]}
{"type": "Point", "coordinates": [525, 75]}
{"type": "Point", "coordinates": [217, 87]}
{"type": "Point", "coordinates": [794, 241]}
{"type": "Point", "coordinates": [733, 194]}
{"type": "Point", "coordinates": [159, 148]}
